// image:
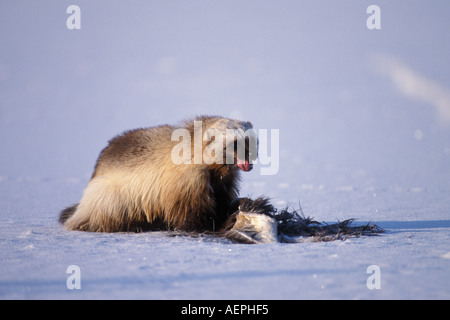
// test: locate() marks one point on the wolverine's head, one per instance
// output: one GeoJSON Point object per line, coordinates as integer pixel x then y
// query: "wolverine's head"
{"type": "Point", "coordinates": [230, 142]}
{"type": "Point", "coordinates": [216, 141]}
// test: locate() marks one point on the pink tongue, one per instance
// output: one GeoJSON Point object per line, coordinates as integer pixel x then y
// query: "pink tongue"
{"type": "Point", "coordinates": [244, 165]}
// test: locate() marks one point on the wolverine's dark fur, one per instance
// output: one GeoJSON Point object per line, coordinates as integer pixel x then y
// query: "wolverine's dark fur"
{"type": "Point", "coordinates": [67, 213]}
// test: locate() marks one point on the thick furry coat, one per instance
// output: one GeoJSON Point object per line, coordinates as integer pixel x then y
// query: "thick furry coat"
{"type": "Point", "coordinates": [137, 186]}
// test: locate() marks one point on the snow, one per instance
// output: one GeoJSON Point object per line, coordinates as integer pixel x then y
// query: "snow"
{"type": "Point", "coordinates": [363, 126]}
{"type": "Point", "coordinates": [413, 257]}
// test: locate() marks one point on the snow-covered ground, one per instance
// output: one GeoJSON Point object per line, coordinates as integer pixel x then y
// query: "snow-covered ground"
{"type": "Point", "coordinates": [413, 256]}
{"type": "Point", "coordinates": [363, 117]}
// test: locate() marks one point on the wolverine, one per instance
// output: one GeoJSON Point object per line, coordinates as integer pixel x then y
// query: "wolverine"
{"type": "Point", "coordinates": [169, 177]}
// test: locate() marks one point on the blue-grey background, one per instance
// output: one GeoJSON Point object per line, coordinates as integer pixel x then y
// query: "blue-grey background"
{"type": "Point", "coordinates": [308, 68]}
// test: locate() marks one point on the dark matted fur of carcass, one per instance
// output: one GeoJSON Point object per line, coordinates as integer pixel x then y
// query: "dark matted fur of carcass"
{"type": "Point", "coordinates": [292, 225]}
